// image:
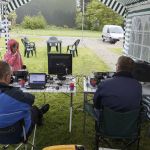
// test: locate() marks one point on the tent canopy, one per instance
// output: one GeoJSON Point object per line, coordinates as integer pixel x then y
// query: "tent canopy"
{"type": "Point", "coordinates": [11, 5]}
{"type": "Point", "coordinates": [120, 6]}
{"type": "Point", "coordinates": [130, 2]}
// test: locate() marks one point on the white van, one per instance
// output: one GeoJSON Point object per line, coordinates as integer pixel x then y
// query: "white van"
{"type": "Point", "coordinates": [112, 33]}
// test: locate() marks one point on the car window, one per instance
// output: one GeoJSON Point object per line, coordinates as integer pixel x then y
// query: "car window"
{"type": "Point", "coordinates": [116, 30]}
{"type": "Point", "coordinates": [108, 30]}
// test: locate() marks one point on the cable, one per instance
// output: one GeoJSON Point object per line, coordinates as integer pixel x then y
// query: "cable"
{"type": "Point", "coordinates": [66, 94]}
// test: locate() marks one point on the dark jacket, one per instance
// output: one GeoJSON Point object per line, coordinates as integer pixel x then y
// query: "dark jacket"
{"type": "Point", "coordinates": [14, 105]}
{"type": "Point", "coordinates": [120, 93]}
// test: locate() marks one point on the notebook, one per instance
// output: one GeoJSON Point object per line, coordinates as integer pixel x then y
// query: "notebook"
{"type": "Point", "coordinates": [36, 81]}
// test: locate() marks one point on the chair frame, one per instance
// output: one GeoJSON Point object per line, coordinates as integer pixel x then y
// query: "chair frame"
{"type": "Point", "coordinates": [73, 48]}
{"type": "Point", "coordinates": [101, 136]}
{"type": "Point", "coordinates": [25, 141]}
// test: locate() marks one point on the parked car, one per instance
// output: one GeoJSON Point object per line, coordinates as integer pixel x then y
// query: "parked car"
{"type": "Point", "coordinates": [112, 33]}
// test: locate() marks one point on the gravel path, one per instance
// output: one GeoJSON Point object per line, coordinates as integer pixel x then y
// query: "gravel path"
{"type": "Point", "coordinates": [103, 50]}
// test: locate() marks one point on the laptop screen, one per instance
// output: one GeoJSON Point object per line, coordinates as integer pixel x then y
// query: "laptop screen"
{"type": "Point", "coordinates": [37, 78]}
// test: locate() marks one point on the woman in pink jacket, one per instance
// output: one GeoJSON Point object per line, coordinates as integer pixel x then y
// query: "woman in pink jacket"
{"type": "Point", "coordinates": [13, 56]}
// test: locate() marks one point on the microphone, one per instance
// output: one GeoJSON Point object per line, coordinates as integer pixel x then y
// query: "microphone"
{"type": "Point", "coordinates": [66, 71]}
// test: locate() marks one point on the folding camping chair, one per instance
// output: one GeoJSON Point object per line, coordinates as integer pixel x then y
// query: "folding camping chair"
{"type": "Point", "coordinates": [15, 134]}
{"type": "Point", "coordinates": [120, 126]}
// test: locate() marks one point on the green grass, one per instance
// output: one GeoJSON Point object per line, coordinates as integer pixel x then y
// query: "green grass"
{"type": "Point", "coordinates": [55, 31]}
{"type": "Point", "coordinates": [56, 126]}
{"type": "Point", "coordinates": [56, 121]}
{"type": "Point", "coordinates": [84, 64]}
{"type": "Point", "coordinates": [118, 51]}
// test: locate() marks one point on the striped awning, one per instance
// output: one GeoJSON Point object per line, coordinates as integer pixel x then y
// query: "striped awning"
{"type": "Point", "coordinates": [119, 6]}
{"type": "Point", "coordinates": [116, 6]}
{"type": "Point", "coordinates": [11, 5]}
{"type": "Point", "coordinates": [130, 2]}
{"type": "Point", "coordinates": [14, 4]}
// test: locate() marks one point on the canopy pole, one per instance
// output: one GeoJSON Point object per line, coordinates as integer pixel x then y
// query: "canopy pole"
{"type": "Point", "coordinates": [83, 13]}
{"type": "Point", "coordinates": [6, 25]}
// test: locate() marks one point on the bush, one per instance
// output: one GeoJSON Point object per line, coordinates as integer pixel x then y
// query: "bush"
{"type": "Point", "coordinates": [35, 22]}
{"type": "Point", "coordinates": [78, 21]}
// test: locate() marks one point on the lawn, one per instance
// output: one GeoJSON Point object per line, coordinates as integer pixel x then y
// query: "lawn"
{"type": "Point", "coordinates": [56, 121]}
{"type": "Point", "coordinates": [55, 129]}
{"type": "Point", "coordinates": [56, 31]}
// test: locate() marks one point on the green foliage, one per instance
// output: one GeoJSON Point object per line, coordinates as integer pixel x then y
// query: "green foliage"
{"type": "Point", "coordinates": [12, 17]}
{"type": "Point", "coordinates": [97, 15]}
{"type": "Point", "coordinates": [78, 20]}
{"type": "Point", "coordinates": [35, 22]}
{"type": "Point", "coordinates": [55, 31]}
{"type": "Point", "coordinates": [55, 128]}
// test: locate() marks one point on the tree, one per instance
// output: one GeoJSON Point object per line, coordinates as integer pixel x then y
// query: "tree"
{"type": "Point", "coordinates": [12, 17]}
{"type": "Point", "coordinates": [97, 15]}
{"type": "Point", "coordinates": [34, 22]}
{"type": "Point", "coordinates": [85, 4]}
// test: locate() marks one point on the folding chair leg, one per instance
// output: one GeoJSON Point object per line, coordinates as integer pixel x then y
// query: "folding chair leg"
{"type": "Point", "coordinates": [138, 143]}
{"type": "Point", "coordinates": [33, 141]}
{"type": "Point", "coordinates": [5, 147]}
{"type": "Point", "coordinates": [26, 146]}
{"type": "Point", "coordinates": [96, 142]}
{"type": "Point", "coordinates": [18, 146]}
{"type": "Point", "coordinates": [129, 144]}
{"type": "Point", "coordinates": [32, 146]}
{"type": "Point", "coordinates": [106, 141]}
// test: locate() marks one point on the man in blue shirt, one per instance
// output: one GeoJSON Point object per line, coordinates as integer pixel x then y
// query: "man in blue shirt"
{"type": "Point", "coordinates": [16, 105]}
{"type": "Point", "coordinates": [121, 92]}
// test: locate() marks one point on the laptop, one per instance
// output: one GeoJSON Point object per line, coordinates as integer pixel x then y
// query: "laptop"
{"type": "Point", "coordinates": [36, 81]}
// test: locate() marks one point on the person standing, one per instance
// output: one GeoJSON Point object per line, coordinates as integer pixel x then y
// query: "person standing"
{"type": "Point", "coordinates": [13, 56]}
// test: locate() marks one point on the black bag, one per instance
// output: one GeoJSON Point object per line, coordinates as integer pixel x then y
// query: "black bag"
{"type": "Point", "coordinates": [141, 71]}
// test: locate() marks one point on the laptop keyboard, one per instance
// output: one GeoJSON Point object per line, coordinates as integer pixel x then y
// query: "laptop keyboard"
{"type": "Point", "coordinates": [35, 87]}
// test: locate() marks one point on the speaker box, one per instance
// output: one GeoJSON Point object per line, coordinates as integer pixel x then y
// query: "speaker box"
{"type": "Point", "coordinates": [141, 71]}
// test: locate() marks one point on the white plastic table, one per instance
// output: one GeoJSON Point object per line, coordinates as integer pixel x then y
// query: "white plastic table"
{"type": "Point", "coordinates": [51, 88]}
